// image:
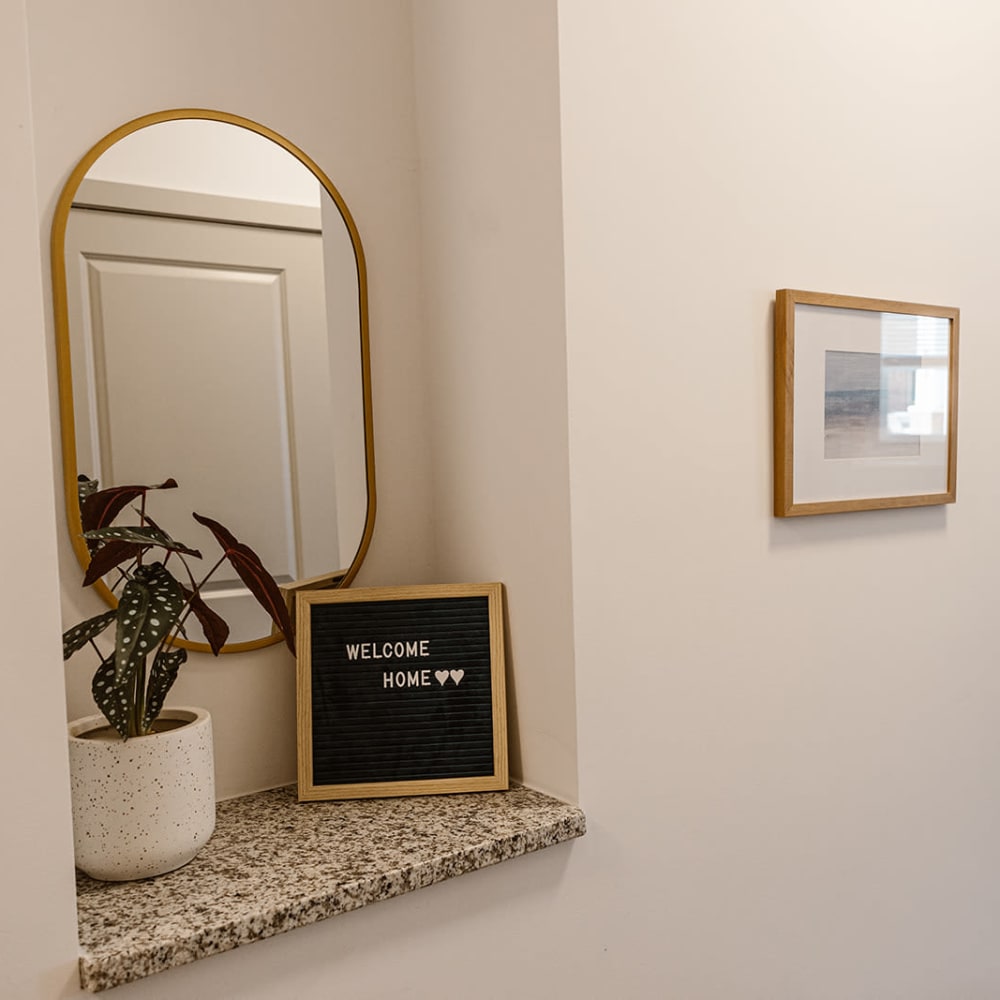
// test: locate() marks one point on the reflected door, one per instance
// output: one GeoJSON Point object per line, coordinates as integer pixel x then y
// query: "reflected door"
{"type": "Point", "coordinates": [222, 321]}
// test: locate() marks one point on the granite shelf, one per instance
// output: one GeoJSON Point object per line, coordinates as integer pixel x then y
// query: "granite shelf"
{"type": "Point", "coordinates": [274, 864]}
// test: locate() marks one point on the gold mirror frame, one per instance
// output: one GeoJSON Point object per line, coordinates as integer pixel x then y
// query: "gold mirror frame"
{"type": "Point", "coordinates": [63, 361]}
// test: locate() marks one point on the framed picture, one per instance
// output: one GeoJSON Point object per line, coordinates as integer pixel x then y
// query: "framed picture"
{"type": "Point", "coordinates": [865, 403]}
{"type": "Point", "coordinates": [401, 691]}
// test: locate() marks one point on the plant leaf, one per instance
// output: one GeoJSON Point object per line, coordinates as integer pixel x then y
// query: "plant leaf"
{"type": "Point", "coordinates": [173, 545]}
{"type": "Point", "coordinates": [212, 623]}
{"type": "Point", "coordinates": [125, 533]}
{"type": "Point", "coordinates": [251, 571]}
{"type": "Point", "coordinates": [77, 637]}
{"type": "Point", "coordinates": [150, 605]}
{"type": "Point", "coordinates": [111, 698]}
{"type": "Point", "coordinates": [140, 536]}
{"type": "Point", "coordinates": [85, 486]}
{"type": "Point", "coordinates": [161, 679]}
{"type": "Point", "coordinates": [109, 555]}
{"type": "Point", "coordinates": [99, 509]}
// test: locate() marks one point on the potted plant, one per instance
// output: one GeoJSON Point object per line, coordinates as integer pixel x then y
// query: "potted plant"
{"type": "Point", "coordinates": [143, 778]}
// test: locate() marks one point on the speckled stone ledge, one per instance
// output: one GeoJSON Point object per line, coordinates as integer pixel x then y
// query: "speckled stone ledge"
{"type": "Point", "coordinates": [274, 864]}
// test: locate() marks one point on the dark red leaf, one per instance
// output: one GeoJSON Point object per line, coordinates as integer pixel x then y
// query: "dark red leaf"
{"type": "Point", "coordinates": [261, 584]}
{"type": "Point", "coordinates": [111, 554]}
{"type": "Point", "coordinates": [212, 623]}
{"type": "Point", "coordinates": [223, 535]}
{"type": "Point", "coordinates": [251, 571]}
{"type": "Point", "coordinates": [101, 508]}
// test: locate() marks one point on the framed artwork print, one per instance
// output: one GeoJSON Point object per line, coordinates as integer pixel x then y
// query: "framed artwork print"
{"type": "Point", "coordinates": [865, 403]}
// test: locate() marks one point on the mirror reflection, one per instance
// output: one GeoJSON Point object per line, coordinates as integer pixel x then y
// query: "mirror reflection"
{"type": "Point", "coordinates": [212, 324]}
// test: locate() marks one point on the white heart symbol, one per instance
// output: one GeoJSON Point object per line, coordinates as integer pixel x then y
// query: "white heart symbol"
{"type": "Point", "coordinates": [457, 675]}
{"type": "Point", "coordinates": [441, 675]}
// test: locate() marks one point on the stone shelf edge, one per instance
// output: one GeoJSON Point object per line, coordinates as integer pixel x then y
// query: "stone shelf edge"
{"type": "Point", "coordinates": [274, 864]}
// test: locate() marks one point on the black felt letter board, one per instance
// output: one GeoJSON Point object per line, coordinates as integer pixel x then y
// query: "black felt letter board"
{"type": "Point", "coordinates": [402, 693]}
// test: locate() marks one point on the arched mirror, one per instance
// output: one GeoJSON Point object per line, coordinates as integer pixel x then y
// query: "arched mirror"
{"type": "Point", "coordinates": [211, 320]}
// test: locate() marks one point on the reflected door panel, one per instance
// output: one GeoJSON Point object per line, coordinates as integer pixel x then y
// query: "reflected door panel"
{"type": "Point", "coordinates": [230, 322]}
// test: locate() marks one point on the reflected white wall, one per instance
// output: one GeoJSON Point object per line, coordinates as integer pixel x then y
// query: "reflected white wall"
{"type": "Point", "coordinates": [202, 156]}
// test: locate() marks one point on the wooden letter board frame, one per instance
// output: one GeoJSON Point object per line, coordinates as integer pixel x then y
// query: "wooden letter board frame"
{"type": "Point", "coordinates": [401, 691]}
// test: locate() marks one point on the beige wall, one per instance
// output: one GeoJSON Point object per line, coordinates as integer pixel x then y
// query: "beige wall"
{"type": "Point", "coordinates": [37, 906]}
{"type": "Point", "coordinates": [786, 731]}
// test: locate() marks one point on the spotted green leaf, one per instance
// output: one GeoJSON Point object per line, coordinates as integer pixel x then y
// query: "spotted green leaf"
{"type": "Point", "coordinates": [145, 535]}
{"type": "Point", "coordinates": [85, 487]}
{"type": "Point", "coordinates": [112, 698]}
{"type": "Point", "coordinates": [161, 679]}
{"type": "Point", "coordinates": [148, 608]}
{"type": "Point", "coordinates": [78, 636]}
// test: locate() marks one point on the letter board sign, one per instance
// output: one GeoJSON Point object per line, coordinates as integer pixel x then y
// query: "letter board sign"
{"type": "Point", "coordinates": [401, 691]}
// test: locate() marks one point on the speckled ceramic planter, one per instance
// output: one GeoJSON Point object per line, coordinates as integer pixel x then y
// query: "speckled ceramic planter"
{"type": "Point", "coordinates": [142, 806]}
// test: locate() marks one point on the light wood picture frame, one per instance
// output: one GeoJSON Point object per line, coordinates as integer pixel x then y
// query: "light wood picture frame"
{"type": "Point", "coordinates": [401, 691]}
{"type": "Point", "coordinates": [865, 403]}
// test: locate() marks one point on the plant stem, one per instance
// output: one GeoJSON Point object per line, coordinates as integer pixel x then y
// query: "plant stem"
{"type": "Point", "coordinates": [196, 588]}
{"type": "Point", "coordinates": [142, 520]}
